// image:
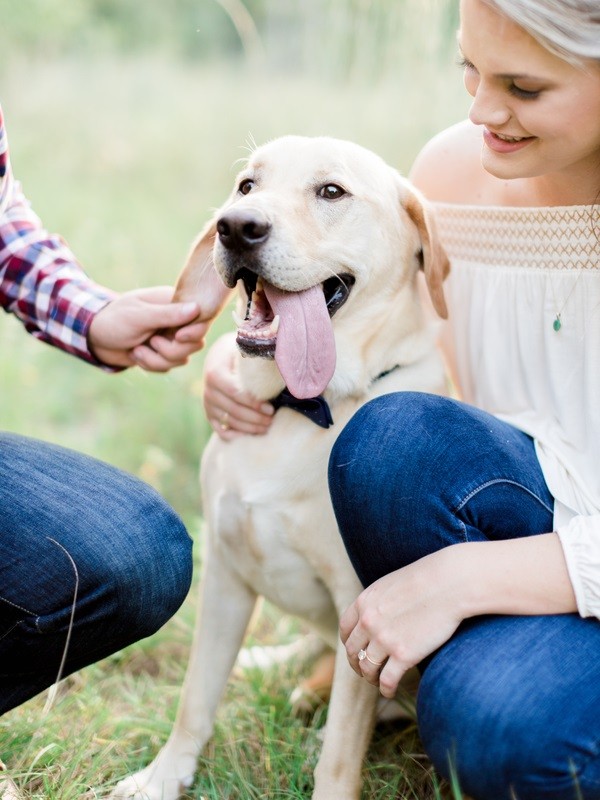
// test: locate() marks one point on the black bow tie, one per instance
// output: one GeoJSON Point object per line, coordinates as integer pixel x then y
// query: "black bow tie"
{"type": "Point", "coordinates": [315, 408]}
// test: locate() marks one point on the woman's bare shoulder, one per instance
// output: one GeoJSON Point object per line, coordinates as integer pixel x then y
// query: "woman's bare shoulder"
{"type": "Point", "coordinates": [448, 169]}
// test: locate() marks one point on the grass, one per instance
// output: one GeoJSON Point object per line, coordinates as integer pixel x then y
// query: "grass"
{"type": "Point", "coordinates": [113, 717]}
{"type": "Point", "coordinates": [126, 159]}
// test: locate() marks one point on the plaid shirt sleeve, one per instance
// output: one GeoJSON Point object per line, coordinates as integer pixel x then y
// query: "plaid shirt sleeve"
{"type": "Point", "coordinates": [41, 282]}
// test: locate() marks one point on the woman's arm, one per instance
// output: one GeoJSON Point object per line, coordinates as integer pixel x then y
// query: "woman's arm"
{"type": "Point", "coordinates": [406, 615]}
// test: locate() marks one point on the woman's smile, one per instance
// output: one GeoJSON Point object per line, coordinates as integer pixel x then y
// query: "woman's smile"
{"type": "Point", "coordinates": [501, 143]}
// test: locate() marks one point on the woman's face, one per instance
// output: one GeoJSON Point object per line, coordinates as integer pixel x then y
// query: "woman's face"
{"type": "Point", "coordinates": [541, 114]}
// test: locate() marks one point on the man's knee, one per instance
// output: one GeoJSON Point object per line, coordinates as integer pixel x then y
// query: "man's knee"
{"type": "Point", "coordinates": [147, 569]}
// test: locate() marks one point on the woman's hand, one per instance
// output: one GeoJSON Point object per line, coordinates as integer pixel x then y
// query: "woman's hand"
{"type": "Point", "coordinates": [405, 616]}
{"type": "Point", "coordinates": [402, 618]}
{"type": "Point", "coordinates": [230, 410]}
{"type": "Point", "coordinates": [135, 329]}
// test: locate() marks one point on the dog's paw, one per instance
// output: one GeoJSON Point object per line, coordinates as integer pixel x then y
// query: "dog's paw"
{"type": "Point", "coordinates": [128, 789]}
{"type": "Point", "coordinates": [305, 648]}
{"type": "Point", "coordinates": [131, 788]}
{"type": "Point", "coordinates": [165, 778]}
{"type": "Point", "coordinates": [315, 690]}
{"type": "Point", "coordinates": [143, 786]}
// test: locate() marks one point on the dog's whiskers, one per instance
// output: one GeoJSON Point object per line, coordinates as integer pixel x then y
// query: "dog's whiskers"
{"type": "Point", "coordinates": [251, 144]}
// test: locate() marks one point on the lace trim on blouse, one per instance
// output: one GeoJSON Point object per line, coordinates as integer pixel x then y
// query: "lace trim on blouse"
{"type": "Point", "coordinates": [561, 237]}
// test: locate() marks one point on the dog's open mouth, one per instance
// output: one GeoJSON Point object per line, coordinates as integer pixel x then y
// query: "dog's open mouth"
{"type": "Point", "coordinates": [294, 328]}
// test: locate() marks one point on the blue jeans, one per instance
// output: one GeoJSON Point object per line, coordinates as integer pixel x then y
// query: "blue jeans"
{"type": "Point", "coordinates": [513, 703]}
{"type": "Point", "coordinates": [91, 560]}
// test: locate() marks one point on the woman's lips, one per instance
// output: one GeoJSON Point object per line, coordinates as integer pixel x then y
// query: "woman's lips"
{"type": "Point", "coordinates": [502, 145]}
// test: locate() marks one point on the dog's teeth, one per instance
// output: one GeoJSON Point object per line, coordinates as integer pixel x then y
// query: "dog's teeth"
{"type": "Point", "coordinates": [252, 306]}
{"type": "Point", "coordinates": [271, 331]}
{"type": "Point", "coordinates": [259, 285]}
{"type": "Point", "coordinates": [237, 319]}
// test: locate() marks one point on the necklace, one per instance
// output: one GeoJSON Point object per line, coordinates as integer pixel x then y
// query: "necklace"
{"type": "Point", "coordinates": [557, 321]}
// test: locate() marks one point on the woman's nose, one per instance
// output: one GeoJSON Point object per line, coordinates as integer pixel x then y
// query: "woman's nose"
{"type": "Point", "coordinates": [489, 107]}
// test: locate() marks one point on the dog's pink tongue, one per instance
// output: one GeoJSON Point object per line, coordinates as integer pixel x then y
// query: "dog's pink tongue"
{"type": "Point", "coordinates": [305, 350]}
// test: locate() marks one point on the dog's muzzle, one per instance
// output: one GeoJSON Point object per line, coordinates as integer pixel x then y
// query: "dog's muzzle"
{"type": "Point", "coordinates": [293, 327]}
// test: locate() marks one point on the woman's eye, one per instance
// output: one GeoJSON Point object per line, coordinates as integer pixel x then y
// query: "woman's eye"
{"type": "Point", "coordinates": [246, 186]}
{"type": "Point", "coordinates": [465, 64]}
{"type": "Point", "coordinates": [331, 191]}
{"type": "Point", "coordinates": [524, 94]}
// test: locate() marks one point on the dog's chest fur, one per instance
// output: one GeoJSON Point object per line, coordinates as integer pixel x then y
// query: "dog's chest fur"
{"type": "Point", "coordinates": [271, 515]}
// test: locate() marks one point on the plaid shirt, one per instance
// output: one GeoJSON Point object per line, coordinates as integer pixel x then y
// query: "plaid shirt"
{"type": "Point", "coordinates": [41, 282]}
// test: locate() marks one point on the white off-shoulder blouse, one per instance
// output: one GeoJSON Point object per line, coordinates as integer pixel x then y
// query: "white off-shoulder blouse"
{"type": "Point", "coordinates": [524, 320]}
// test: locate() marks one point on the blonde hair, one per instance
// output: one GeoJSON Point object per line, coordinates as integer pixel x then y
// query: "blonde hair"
{"type": "Point", "coordinates": [568, 28]}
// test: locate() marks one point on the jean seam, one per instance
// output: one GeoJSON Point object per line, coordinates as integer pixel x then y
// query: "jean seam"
{"type": "Point", "coordinates": [16, 605]}
{"type": "Point", "coordinates": [463, 529]}
{"type": "Point", "coordinates": [501, 480]}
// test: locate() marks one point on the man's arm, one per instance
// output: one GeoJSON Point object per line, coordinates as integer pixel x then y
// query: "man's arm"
{"type": "Point", "coordinates": [41, 281]}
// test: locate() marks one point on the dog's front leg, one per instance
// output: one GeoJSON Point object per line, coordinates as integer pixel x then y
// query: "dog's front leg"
{"type": "Point", "coordinates": [226, 605]}
{"type": "Point", "coordinates": [350, 721]}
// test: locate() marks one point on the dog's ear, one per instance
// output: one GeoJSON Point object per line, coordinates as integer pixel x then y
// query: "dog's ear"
{"type": "Point", "coordinates": [199, 280]}
{"type": "Point", "coordinates": [435, 263]}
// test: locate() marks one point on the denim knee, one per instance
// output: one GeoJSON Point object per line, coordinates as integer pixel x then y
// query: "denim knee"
{"type": "Point", "coordinates": [512, 726]}
{"type": "Point", "coordinates": [413, 472]}
{"type": "Point", "coordinates": [145, 572]}
{"type": "Point", "coordinates": [91, 560]}
{"type": "Point", "coordinates": [376, 466]}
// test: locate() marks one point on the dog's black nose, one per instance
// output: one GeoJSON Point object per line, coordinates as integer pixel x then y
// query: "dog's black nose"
{"type": "Point", "coordinates": [243, 229]}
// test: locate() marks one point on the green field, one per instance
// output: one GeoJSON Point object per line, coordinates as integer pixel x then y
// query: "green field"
{"type": "Point", "coordinates": [125, 153]}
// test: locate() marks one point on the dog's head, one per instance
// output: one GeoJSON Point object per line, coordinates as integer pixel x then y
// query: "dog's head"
{"type": "Point", "coordinates": [324, 241]}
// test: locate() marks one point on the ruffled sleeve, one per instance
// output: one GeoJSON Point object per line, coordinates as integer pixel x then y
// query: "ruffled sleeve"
{"type": "Point", "coordinates": [580, 539]}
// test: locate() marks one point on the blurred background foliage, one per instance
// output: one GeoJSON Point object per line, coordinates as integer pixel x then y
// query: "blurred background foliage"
{"type": "Point", "coordinates": [127, 120]}
{"type": "Point", "coordinates": [341, 38]}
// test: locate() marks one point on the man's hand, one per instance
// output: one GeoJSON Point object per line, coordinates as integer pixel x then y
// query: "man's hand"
{"type": "Point", "coordinates": [144, 328]}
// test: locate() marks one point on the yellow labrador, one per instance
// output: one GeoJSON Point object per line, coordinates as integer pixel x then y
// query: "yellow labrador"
{"type": "Point", "coordinates": [324, 242]}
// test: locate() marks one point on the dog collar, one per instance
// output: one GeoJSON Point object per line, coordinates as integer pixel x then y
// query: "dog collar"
{"type": "Point", "coordinates": [315, 408]}
{"type": "Point", "coordinates": [386, 372]}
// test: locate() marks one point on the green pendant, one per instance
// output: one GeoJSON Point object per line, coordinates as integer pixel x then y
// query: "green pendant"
{"type": "Point", "coordinates": [557, 324]}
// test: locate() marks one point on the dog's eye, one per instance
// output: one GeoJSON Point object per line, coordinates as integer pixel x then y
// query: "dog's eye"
{"type": "Point", "coordinates": [246, 186]}
{"type": "Point", "coordinates": [331, 191]}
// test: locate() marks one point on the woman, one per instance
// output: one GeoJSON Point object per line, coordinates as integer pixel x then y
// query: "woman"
{"type": "Point", "coordinates": [475, 525]}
